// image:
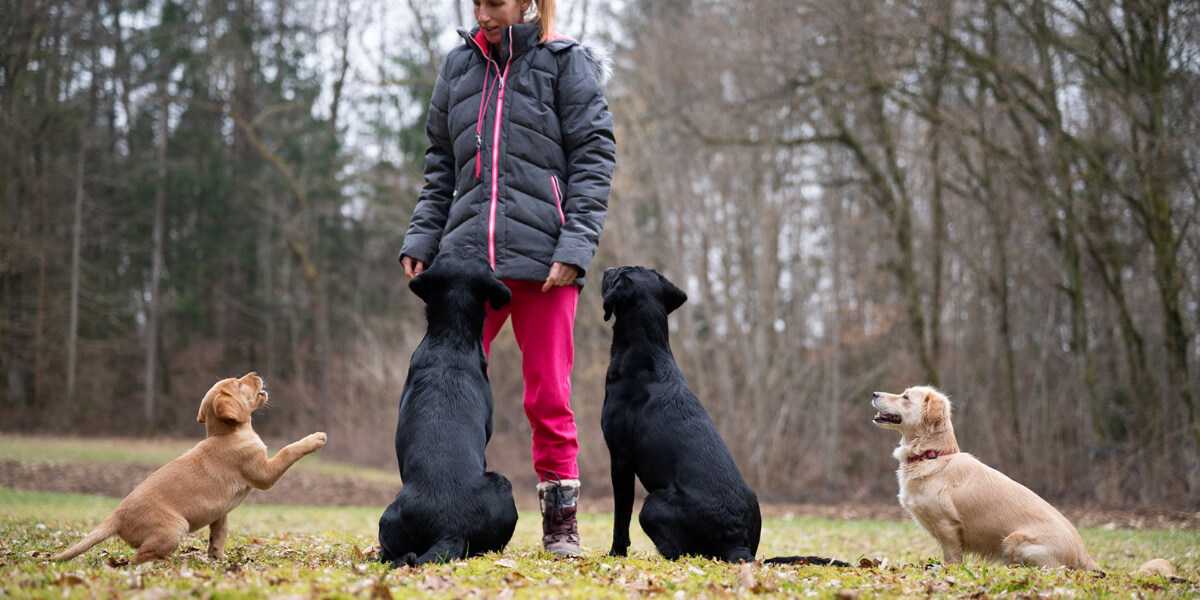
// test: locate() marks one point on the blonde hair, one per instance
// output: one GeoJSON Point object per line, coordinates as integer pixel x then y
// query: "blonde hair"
{"type": "Point", "coordinates": [545, 17]}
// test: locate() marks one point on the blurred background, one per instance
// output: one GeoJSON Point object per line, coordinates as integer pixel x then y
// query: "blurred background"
{"type": "Point", "coordinates": [998, 197]}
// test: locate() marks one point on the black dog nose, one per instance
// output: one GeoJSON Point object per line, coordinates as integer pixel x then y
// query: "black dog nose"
{"type": "Point", "coordinates": [874, 395]}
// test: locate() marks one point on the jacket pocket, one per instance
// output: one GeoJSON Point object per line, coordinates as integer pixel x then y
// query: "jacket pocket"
{"type": "Point", "coordinates": [557, 191]}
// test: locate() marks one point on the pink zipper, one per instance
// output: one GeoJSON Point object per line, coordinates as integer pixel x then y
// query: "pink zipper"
{"type": "Point", "coordinates": [484, 98]}
{"type": "Point", "coordinates": [558, 198]}
{"type": "Point", "coordinates": [496, 159]}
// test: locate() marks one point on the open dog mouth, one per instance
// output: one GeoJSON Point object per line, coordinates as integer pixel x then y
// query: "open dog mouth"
{"type": "Point", "coordinates": [883, 417]}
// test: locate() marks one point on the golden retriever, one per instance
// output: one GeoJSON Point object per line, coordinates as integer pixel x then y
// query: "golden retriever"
{"type": "Point", "coordinates": [964, 504]}
{"type": "Point", "coordinates": [199, 488]}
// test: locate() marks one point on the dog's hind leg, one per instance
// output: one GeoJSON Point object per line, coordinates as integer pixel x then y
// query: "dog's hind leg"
{"type": "Point", "coordinates": [659, 519]}
{"type": "Point", "coordinates": [444, 550]}
{"type": "Point", "coordinates": [496, 530]}
{"type": "Point", "coordinates": [161, 542]}
{"type": "Point", "coordinates": [395, 547]}
{"type": "Point", "coordinates": [1024, 549]}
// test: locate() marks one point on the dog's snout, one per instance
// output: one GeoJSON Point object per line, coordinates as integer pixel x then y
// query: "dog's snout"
{"type": "Point", "coordinates": [874, 395]}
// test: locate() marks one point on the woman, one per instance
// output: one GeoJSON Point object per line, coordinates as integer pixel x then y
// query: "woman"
{"type": "Point", "coordinates": [519, 168]}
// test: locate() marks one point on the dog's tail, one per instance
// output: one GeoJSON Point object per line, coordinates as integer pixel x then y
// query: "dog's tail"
{"type": "Point", "coordinates": [102, 532]}
{"type": "Point", "coordinates": [445, 550]}
{"type": "Point", "coordinates": [806, 560]}
{"type": "Point", "coordinates": [1156, 566]}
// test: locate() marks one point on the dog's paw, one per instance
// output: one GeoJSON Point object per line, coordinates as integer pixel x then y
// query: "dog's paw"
{"type": "Point", "coordinates": [622, 552]}
{"type": "Point", "coordinates": [316, 441]}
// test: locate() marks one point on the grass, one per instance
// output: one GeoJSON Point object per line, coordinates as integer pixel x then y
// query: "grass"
{"type": "Point", "coordinates": [151, 452]}
{"type": "Point", "coordinates": [282, 551]}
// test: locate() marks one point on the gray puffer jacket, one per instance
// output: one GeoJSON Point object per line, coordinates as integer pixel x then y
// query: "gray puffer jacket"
{"type": "Point", "coordinates": [521, 156]}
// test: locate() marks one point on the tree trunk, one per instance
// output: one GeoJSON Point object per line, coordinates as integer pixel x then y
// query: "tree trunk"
{"type": "Point", "coordinates": [76, 242]}
{"type": "Point", "coordinates": [156, 260]}
{"type": "Point", "coordinates": [834, 419]}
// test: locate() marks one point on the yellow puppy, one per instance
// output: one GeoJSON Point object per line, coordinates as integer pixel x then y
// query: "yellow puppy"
{"type": "Point", "coordinates": [964, 504]}
{"type": "Point", "coordinates": [199, 488]}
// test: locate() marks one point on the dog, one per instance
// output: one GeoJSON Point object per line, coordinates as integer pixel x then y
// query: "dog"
{"type": "Point", "coordinates": [657, 430]}
{"type": "Point", "coordinates": [451, 506]}
{"type": "Point", "coordinates": [202, 486]}
{"type": "Point", "coordinates": [964, 504]}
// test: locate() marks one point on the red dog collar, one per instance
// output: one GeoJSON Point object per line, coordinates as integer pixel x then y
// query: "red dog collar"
{"type": "Point", "coordinates": [926, 455]}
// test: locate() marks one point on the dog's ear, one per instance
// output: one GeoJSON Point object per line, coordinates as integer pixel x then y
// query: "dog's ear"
{"type": "Point", "coordinates": [496, 293]}
{"type": "Point", "coordinates": [203, 408]}
{"type": "Point", "coordinates": [934, 411]}
{"type": "Point", "coordinates": [249, 384]}
{"type": "Point", "coordinates": [423, 286]}
{"type": "Point", "coordinates": [228, 408]}
{"type": "Point", "coordinates": [611, 295]}
{"type": "Point", "coordinates": [672, 296]}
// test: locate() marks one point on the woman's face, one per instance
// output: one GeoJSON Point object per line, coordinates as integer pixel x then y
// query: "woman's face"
{"type": "Point", "coordinates": [494, 15]}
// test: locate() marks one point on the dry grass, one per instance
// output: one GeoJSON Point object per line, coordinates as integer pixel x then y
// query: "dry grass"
{"type": "Point", "coordinates": [281, 551]}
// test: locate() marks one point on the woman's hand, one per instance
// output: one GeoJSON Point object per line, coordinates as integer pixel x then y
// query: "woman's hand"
{"type": "Point", "coordinates": [560, 274]}
{"type": "Point", "coordinates": [412, 266]}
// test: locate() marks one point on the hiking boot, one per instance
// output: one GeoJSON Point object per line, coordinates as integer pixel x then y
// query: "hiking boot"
{"type": "Point", "coordinates": [560, 531]}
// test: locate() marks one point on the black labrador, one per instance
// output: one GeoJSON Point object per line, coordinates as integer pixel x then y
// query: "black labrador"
{"type": "Point", "coordinates": [657, 430]}
{"type": "Point", "coordinates": [451, 506]}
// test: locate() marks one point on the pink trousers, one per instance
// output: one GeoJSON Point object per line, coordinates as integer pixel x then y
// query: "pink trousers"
{"type": "Point", "coordinates": [544, 327]}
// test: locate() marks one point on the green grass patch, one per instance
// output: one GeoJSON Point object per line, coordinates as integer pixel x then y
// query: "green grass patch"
{"type": "Point", "coordinates": [325, 552]}
{"type": "Point", "coordinates": [149, 452]}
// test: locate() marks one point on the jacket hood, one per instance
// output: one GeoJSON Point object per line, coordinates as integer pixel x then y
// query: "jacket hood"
{"type": "Point", "coordinates": [524, 36]}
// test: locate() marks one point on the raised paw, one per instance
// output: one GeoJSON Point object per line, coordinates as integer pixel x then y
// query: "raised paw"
{"type": "Point", "coordinates": [315, 441]}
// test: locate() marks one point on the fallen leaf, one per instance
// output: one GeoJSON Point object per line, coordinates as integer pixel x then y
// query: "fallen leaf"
{"type": "Point", "coordinates": [746, 576]}
{"type": "Point", "coordinates": [154, 594]}
{"type": "Point", "coordinates": [515, 579]}
{"type": "Point", "coordinates": [70, 579]}
{"type": "Point", "coordinates": [647, 585]}
{"type": "Point", "coordinates": [751, 582]}
{"type": "Point", "coordinates": [507, 563]}
{"type": "Point", "coordinates": [380, 590]}
{"type": "Point", "coordinates": [435, 583]}
{"type": "Point", "coordinates": [936, 587]}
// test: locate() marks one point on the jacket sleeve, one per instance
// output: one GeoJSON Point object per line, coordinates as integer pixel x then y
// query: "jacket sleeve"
{"type": "Point", "coordinates": [590, 147]}
{"type": "Point", "coordinates": [433, 205]}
